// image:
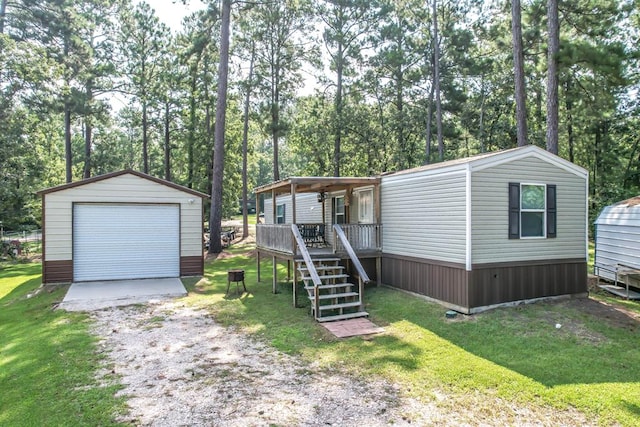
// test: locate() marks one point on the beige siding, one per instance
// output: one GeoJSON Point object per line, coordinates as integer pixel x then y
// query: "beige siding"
{"type": "Point", "coordinates": [424, 214]}
{"type": "Point", "coordinates": [120, 189]}
{"type": "Point", "coordinates": [490, 213]}
{"type": "Point", "coordinates": [307, 206]}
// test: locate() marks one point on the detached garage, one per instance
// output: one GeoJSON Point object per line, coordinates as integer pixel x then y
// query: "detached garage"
{"type": "Point", "coordinates": [122, 225]}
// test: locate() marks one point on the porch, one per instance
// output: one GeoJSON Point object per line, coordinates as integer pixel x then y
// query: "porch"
{"type": "Point", "coordinates": [325, 228]}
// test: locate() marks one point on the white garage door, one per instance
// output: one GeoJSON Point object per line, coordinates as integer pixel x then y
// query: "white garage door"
{"type": "Point", "coordinates": [117, 241]}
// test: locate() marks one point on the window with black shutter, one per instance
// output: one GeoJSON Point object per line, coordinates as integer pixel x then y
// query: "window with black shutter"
{"type": "Point", "coordinates": [532, 210]}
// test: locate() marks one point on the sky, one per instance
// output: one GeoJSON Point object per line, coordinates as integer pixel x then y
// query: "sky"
{"type": "Point", "coordinates": [171, 12]}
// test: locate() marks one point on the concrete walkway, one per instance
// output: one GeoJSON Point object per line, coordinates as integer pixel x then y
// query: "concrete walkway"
{"type": "Point", "coordinates": [87, 296]}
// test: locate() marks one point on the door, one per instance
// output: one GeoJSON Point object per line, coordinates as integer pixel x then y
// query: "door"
{"type": "Point", "coordinates": [365, 236]}
{"type": "Point", "coordinates": [125, 241]}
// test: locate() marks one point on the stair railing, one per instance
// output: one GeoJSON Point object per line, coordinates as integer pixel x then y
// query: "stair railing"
{"type": "Point", "coordinates": [311, 268]}
{"type": "Point", "coordinates": [362, 274]}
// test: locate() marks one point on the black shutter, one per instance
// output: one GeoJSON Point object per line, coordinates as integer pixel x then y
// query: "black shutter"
{"type": "Point", "coordinates": [551, 211]}
{"type": "Point", "coordinates": [514, 210]}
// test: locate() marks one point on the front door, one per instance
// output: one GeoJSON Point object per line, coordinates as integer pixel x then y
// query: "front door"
{"type": "Point", "coordinates": [365, 207]}
{"type": "Point", "coordinates": [364, 235]}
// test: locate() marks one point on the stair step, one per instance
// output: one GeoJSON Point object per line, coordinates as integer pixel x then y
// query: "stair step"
{"type": "Point", "coordinates": [332, 296]}
{"type": "Point", "coordinates": [341, 305]}
{"type": "Point", "coordinates": [342, 316]}
{"type": "Point", "coordinates": [301, 261]}
{"type": "Point", "coordinates": [333, 286]}
{"type": "Point", "coordinates": [327, 276]}
{"type": "Point", "coordinates": [322, 267]}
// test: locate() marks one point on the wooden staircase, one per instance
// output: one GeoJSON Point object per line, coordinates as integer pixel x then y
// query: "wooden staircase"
{"type": "Point", "coordinates": [335, 298]}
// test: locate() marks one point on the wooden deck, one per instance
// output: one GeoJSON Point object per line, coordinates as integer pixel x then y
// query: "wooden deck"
{"type": "Point", "coordinates": [621, 292]}
{"type": "Point", "coordinates": [277, 241]}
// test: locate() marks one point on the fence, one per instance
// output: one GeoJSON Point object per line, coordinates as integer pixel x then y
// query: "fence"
{"type": "Point", "coordinates": [20, 243]}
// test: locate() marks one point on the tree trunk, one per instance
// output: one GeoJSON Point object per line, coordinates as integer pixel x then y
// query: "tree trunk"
{"type": "Point", "coordinates": [338, 107]}
{"type": "Point", "coordinates": [436, 64]}
{"type": "Point", "coordinates": [275, 124]}
{"type": "Point", "coordinates": [192, 131]}
{"type": "Point", "coordinates": [552, 76]}
{"type": "Point", "coordinates": [3, 13]}
{"type": "Point", "coordinates": [481, 119]}
{"type": "Point", "coordinates": [430, 117]}
{"type": "Point", "coordinates": [215, 219]}
{"type": "Point", "coordinates": [88, 135]}
{"type": "Point", "coordinates": [145, 140]}
{"type": "Point", "coordinates": [245, 137]}
{"type": "Point", "coordinates": [67, 140]}
{"type": "Point", "coordinates": [518, 68]}
{"type": "Point", "coordinates": [167, 143]}
{"type": "Point", "coordinates": [569, 107]}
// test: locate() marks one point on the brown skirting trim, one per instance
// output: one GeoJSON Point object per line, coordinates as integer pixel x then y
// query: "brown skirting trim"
{"type": "Point", "coordinates": [192, 265]}
{"type": "Point", "coordinates": [57, 271]}
{"type": "Point", "coordinates": [487, 285]}
{"type": "Point", "coordinates": [526, 281]}
{"type": "Point", "coordinates": [442, 282]}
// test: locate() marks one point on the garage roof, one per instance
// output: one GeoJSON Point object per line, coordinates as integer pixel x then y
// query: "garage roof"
{"type": "Point", "coordinates": [123, 172]}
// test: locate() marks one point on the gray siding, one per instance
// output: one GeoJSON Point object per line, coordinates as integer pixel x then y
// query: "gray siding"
{"type": "Point", "coordinates": [424, 215]}
{"type": "Point", "coordinates": [618, 238]}
{"type": "Point", "coordinates": [489, 207]}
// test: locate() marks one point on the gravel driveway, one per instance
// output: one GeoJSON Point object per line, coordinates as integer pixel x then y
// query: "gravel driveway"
{"type": "Point", "coordinates": [178, 368]}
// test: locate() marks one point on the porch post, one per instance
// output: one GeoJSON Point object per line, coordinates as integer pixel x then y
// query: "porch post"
{"type": "Point", "coordinates": [258, 258]}
{"type": "Point", "coordinates": [274, 274]}
{"type": "Point", "coordinates": [377, 216]}
{"type": "Point", "coordinates": [295, 247]}
{"type": "Point", "coordinates": [295, 286]}
{"type": "Point", "coordinates": [293, 220]}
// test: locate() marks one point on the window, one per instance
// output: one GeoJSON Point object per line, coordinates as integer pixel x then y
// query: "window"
{"type": "Point", "coordinates": [338, 210]}
{"type": "Point", "coordinates": [532, 210]}
{"type": "Point", "coordinates": [280, 214]}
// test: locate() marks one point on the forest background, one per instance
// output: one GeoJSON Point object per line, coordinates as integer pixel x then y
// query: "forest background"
{"type": "Point", "coordinates": [316, 87]}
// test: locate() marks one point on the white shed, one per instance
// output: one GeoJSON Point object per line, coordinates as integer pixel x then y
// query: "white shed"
{"type": "Point", "coordinates": [122, 225]}
{"type": "Point", "coordinates": [618, 238]}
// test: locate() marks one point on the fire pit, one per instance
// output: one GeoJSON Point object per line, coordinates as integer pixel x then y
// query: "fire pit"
{"type": "Point", "coordinates": [236, 276]}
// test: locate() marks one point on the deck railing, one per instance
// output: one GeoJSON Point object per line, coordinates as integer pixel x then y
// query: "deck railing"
{"type": "Point", "coordinates": [361, 237]}
{"type": "Point", "coordinates": [276, 237]}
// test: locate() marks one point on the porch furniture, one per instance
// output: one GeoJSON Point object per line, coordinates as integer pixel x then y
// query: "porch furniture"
{"type": "Point", "coordinates": [313, 234]}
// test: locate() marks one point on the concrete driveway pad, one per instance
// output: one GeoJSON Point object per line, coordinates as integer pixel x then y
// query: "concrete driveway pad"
{"type": "Point", "coordinates": [87, 296]}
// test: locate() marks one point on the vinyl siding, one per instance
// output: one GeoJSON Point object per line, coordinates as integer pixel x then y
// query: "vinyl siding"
{"type": "Point", "coordinates": [307, 206]}
{"type": "Point", "coordinates": [489, 207]}
{"type": "Point", "coordinates": [424, 214]}
{"type": "Point", "coordinates": [120, 189]}
{"type": "Point", "coordinates": [618, 237]}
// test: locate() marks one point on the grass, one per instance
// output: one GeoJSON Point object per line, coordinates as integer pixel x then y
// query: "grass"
{"type": "Point", "coordinates": [514, 355]}
{"type": "Point", "coordinates": [480, 364]}
{"type": "Point", "coordinates": [48, 360]}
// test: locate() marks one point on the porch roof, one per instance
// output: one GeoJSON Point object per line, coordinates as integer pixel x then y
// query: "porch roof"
{"type": "Point", "coordinates": [316, 184]}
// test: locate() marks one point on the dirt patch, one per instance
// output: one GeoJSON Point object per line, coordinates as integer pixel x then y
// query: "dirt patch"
{"type": "Point", "coordinates": [614, 315]}
{"type": "Point", "coordinates": [179, 367]}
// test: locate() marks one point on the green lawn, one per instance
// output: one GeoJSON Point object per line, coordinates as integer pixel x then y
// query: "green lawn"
{"type": "Point", "coordinates": [48, 360]}
{"type": "Point", "coordinates": [514, 354]}
{"type": "Point", "coordinates": [511, 356]}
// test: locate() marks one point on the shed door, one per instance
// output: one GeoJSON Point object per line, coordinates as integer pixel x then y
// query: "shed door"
{"type": "Point", "coordinates": [119, 241]}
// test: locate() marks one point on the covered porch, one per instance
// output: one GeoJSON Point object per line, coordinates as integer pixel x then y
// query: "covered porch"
{"type": "Point", "coordinates": [311, 218]}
